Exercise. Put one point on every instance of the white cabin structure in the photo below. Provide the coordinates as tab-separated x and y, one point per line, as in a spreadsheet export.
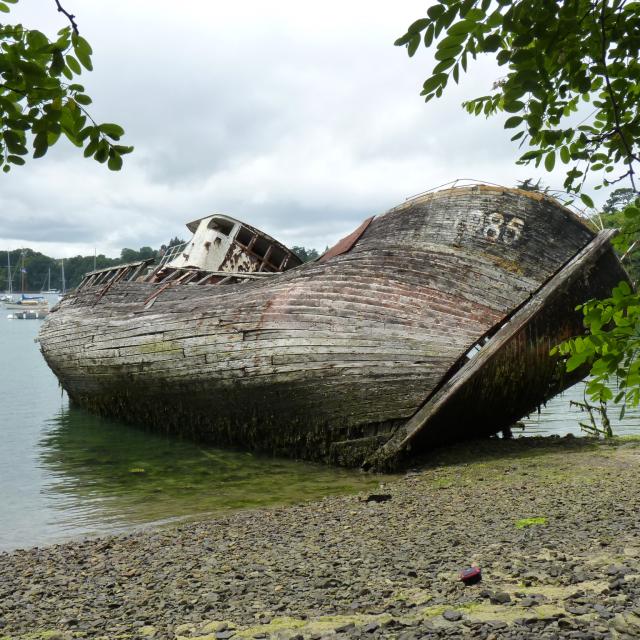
222	243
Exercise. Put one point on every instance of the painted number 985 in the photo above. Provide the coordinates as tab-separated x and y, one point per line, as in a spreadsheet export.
497	228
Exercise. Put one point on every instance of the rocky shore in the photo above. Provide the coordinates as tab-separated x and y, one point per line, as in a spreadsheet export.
553	524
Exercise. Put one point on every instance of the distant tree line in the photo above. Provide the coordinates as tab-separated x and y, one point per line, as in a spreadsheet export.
33	271
306	255
612	216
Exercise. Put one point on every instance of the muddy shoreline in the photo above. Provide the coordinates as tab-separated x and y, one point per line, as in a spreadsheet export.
553	523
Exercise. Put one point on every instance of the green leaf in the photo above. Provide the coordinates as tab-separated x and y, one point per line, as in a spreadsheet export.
413	45
419	25
40	145
83	51
83	134
112	130
463	27
475	14
4	8
443	66
491	43
456	73
115	161
402	40
587	200
428	36
576	360
91	148
434	82
624	288
514	107
446	54
550	161
513	122
102	153
451	42
73	64
435	11
57	63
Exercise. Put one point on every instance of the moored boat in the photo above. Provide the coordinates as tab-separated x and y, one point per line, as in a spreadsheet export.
430	322
25	302
29	314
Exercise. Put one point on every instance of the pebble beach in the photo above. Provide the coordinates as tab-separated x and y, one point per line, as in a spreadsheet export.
553	524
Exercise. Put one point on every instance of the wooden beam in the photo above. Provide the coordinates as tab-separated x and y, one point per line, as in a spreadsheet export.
510	327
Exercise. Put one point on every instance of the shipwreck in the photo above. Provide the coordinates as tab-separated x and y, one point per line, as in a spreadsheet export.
429	323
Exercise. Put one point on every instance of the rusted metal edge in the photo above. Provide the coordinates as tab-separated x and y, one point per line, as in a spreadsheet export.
405	434
346	243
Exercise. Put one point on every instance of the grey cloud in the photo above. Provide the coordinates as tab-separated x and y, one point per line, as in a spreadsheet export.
301	119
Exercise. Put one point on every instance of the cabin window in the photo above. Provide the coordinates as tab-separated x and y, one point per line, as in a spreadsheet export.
225	227
244	236
276	256
260	247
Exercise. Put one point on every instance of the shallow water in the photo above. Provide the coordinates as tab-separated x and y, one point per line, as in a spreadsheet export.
65	473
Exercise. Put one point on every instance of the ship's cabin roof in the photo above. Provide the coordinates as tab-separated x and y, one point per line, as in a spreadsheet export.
218	221
223	243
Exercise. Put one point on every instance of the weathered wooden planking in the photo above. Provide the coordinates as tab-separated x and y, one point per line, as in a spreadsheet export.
514	356
326	351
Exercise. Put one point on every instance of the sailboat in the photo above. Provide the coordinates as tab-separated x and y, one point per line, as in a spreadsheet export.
28	302
49	290
8	296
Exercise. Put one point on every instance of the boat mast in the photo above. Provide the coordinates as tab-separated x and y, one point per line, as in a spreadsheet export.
9	277
23	273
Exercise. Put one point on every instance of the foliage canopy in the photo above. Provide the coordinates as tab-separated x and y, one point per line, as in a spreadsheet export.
571	87
40	99
571	94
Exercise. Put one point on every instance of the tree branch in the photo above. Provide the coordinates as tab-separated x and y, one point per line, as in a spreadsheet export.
72	18
612	97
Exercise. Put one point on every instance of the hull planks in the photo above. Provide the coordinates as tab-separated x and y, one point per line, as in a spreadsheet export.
434	324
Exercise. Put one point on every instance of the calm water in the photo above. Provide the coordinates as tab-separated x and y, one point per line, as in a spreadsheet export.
65	473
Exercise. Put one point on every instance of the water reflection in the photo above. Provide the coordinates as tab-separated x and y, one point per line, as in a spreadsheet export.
106	476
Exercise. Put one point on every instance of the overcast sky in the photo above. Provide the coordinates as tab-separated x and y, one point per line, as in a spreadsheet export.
300	118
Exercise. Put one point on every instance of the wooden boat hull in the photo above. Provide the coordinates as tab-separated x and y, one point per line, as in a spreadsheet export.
333	359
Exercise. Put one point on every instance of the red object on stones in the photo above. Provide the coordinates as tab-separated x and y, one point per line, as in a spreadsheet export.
471	575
